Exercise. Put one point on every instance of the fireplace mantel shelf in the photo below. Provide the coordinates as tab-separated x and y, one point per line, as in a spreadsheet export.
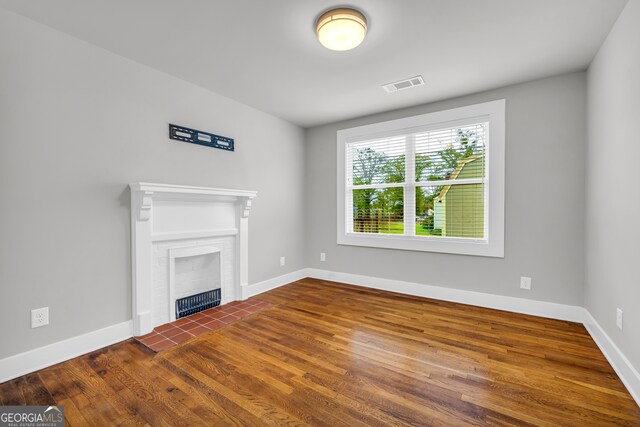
186	189
143	194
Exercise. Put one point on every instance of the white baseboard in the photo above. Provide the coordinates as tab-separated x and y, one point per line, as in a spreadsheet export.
628	374
551	310
276	282
39	358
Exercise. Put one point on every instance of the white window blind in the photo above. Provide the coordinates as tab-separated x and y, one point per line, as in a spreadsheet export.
428	182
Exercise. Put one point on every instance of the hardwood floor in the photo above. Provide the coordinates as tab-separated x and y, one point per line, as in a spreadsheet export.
332	354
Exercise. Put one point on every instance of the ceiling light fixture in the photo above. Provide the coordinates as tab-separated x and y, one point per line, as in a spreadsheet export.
341	29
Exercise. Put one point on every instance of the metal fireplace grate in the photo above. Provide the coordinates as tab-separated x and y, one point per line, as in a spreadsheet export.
198	302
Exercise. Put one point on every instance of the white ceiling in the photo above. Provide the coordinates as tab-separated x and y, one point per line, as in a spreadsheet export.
264	52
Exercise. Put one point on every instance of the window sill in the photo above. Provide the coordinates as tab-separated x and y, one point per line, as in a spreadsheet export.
460	246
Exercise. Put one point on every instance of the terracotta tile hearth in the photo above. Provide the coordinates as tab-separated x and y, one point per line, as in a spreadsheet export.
171	334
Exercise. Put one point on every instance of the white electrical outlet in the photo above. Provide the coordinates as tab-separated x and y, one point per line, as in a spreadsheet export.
323	256
39	317
281	261
525	283
619	318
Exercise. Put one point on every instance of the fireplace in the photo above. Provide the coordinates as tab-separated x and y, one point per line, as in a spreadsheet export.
194	273
187	242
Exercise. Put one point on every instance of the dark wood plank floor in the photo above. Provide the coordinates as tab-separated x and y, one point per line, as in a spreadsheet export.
331	354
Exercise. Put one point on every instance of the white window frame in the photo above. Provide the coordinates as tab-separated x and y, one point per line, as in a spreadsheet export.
492	245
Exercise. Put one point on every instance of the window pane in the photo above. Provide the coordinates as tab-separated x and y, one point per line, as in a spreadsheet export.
378	161
456	153
378	211
451	211
427	223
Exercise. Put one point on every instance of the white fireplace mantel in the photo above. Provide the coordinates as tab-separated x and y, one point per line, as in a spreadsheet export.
164	213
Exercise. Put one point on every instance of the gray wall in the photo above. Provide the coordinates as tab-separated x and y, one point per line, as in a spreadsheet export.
613	183
545	122
77	125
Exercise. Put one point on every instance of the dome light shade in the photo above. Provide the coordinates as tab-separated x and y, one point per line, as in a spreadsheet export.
341	29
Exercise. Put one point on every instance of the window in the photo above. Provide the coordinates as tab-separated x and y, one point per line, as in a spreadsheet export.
433	182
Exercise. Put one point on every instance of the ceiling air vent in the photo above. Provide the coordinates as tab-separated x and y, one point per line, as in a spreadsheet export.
403	84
